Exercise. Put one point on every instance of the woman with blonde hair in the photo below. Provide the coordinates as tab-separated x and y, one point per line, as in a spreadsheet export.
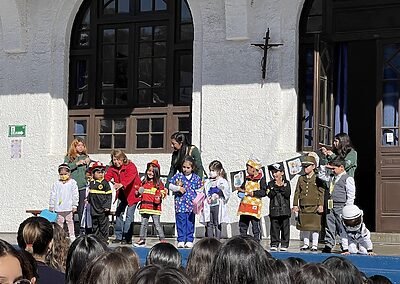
78	160
124	174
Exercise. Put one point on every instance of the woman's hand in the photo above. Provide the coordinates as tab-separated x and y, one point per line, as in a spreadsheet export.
326	152
117	186
320	209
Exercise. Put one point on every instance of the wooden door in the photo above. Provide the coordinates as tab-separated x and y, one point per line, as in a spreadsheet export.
387	138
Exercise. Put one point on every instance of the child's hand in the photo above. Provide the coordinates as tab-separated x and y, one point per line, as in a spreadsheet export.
107	209
141	190
74	210
51	209
182	190
179	182
345	253
239	189
295	209
320	209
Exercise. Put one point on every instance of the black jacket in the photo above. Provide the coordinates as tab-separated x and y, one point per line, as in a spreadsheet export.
279	204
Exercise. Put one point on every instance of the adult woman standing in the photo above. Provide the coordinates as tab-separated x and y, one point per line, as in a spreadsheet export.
343	147
78	160
126	180
181	149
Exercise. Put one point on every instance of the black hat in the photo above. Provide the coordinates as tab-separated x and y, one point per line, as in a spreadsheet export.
276	167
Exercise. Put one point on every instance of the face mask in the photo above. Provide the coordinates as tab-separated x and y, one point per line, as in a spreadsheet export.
64	177
213	174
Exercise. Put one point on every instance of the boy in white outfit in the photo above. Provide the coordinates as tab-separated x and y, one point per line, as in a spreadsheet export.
356	238
64	198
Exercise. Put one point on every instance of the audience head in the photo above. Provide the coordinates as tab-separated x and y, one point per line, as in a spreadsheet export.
314	273
131	255
164	254
155	274
108	268
280	272
35	235
240	260
294	264
81	252
200	259
379	279
57	257
344	271
11	264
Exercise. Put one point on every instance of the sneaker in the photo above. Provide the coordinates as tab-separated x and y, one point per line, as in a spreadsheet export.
189	245
181	245
305	247
116	241
273	248
314	249
140	243
327	249
283	249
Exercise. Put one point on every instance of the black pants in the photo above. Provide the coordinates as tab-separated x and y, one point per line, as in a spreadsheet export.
244	222
100	226
81	204
280	231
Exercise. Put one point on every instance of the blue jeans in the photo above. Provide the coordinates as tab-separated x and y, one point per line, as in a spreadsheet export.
124	229
185	226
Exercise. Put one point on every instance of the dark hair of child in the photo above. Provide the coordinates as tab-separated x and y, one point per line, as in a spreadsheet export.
131	255
155	274
280	271
294	264
200	259
84	249
191	161
217	166
108	268
344	146
164	254
34	235
379	279
314	273
344	271
337	162
241	259
57	257
156	173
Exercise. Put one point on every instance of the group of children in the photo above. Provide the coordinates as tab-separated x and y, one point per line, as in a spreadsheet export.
318	196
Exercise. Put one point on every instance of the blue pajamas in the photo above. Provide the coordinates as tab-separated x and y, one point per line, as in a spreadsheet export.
185	226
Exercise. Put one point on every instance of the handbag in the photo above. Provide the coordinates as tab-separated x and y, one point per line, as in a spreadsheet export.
198	203
49	215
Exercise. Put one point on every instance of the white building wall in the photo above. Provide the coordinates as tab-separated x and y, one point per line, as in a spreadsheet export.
235	114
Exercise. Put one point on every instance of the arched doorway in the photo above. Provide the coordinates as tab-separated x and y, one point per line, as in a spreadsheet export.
130	82
349	81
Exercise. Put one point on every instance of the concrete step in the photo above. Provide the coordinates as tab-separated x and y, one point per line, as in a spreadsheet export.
388	238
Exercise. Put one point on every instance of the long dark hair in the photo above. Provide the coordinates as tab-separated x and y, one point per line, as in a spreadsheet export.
344	271
164	254
34	235
179	155
156	177
344	146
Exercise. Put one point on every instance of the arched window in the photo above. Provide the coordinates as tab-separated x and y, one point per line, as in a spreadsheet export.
130	83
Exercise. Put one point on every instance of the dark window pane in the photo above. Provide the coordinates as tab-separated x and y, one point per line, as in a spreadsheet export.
108	72
120	126
105	126
119	141
185	12
81	75
146	33
142	141
145	71
109	7
145	49
160	48
123	35
123	6
186	32
159	66
157	141
143	125
105	141
122	74
184	124
160	33
108	51
109	35
122	51
146	5
158	96
107	97
185	95
86	20
144	96
121	98
157	125
160	5
84	38
81	99
80	126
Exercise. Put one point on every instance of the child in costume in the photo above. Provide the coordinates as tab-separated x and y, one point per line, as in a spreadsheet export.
356	238
279	208
100	198
218	192
251	192
152	192
184	187
308	203
64	199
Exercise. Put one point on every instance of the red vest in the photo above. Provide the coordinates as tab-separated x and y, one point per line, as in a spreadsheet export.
151	198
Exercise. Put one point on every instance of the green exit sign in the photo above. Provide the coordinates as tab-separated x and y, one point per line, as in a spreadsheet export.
16	130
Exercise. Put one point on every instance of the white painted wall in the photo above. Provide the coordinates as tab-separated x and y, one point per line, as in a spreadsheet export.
235	114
